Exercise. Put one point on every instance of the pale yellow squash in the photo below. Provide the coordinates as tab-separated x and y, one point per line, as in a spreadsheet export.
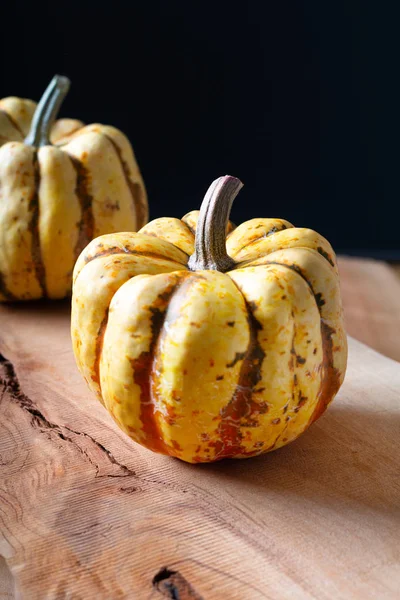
61	185
204	341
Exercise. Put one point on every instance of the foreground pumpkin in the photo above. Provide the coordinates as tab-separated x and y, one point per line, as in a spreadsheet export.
56	197
204	346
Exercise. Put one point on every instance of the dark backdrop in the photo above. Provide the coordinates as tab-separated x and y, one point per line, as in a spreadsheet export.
299	99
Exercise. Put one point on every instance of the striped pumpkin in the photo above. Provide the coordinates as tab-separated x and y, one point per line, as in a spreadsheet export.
61	185
204	345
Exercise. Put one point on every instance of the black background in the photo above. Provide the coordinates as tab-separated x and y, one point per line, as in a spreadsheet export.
299	99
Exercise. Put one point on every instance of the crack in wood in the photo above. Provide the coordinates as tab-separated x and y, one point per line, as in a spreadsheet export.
10	381
127	472
171	584
129	489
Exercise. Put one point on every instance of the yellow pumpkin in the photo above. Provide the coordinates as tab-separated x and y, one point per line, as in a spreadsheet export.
204	345
57	193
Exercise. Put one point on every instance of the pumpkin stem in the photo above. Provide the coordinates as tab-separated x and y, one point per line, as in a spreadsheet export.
210	244
46	111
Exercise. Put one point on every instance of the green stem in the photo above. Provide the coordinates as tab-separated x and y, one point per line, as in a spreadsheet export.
46	111
210	244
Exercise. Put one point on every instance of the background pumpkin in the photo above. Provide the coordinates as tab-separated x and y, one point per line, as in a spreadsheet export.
61	185
209	347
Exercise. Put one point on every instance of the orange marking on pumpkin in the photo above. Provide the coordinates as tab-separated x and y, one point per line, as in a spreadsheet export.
330	382
143	374
242	410
99	346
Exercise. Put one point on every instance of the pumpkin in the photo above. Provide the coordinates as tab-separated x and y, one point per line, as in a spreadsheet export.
57	193
206	341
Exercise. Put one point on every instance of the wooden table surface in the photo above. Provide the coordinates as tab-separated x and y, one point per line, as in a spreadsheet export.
85	513
371	299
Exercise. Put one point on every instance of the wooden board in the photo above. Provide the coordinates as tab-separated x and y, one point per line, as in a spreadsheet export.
85	513
371	299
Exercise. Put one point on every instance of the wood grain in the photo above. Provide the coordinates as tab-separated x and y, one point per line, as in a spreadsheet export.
371	299
86	513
